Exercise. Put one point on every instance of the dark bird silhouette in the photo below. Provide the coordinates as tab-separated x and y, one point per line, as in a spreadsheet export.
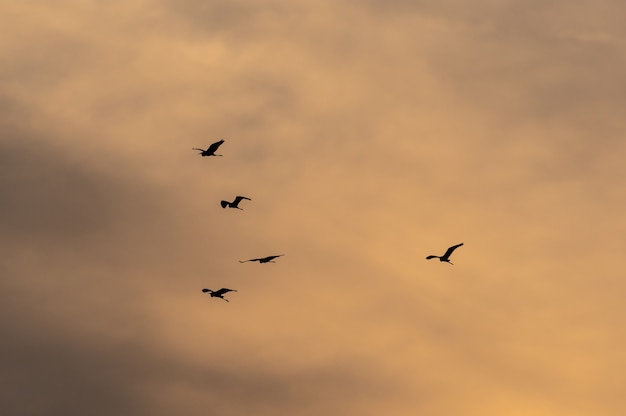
211	150
446	255
218	293
268	259
235	203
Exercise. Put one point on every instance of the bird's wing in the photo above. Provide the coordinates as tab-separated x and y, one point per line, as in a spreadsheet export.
195	148
214	146
450	250
272	257
239	198
205	290
223	290
224	204
431	257
243	261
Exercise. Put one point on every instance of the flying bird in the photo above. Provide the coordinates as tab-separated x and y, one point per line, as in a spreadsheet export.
211	150
235	203
218	293
446	255
268	259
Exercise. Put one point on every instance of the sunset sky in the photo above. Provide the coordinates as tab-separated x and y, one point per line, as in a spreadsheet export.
368	135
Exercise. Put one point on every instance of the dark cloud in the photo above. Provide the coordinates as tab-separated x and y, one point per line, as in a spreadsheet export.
56	200
50	196
335	388
50	370
56	370
67	232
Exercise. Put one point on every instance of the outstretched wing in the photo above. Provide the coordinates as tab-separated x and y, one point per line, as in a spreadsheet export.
224	204
239	198
449	251
205	290
243	261
214	146
269	258
223	290
431	257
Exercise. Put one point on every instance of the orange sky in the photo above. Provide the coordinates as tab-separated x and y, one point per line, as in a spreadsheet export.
368	134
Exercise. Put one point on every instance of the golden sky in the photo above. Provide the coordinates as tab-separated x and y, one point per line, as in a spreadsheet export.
368	134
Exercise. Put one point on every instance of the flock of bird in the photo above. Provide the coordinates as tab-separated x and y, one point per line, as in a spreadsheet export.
210	151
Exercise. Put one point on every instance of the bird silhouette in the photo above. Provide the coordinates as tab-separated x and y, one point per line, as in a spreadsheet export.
211	150
218	293
446	255
235	203
268	259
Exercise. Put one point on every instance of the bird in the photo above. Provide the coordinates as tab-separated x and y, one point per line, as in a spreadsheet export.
218	293
446	255
235	203
268	259
211	150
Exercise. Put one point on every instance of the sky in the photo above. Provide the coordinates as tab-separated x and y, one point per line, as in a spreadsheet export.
368	135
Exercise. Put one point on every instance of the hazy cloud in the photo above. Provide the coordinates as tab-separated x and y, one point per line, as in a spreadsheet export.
368	135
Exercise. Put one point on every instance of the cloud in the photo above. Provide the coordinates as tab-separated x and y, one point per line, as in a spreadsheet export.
368	135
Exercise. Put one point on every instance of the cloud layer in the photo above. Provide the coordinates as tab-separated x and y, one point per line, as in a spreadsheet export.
368	135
